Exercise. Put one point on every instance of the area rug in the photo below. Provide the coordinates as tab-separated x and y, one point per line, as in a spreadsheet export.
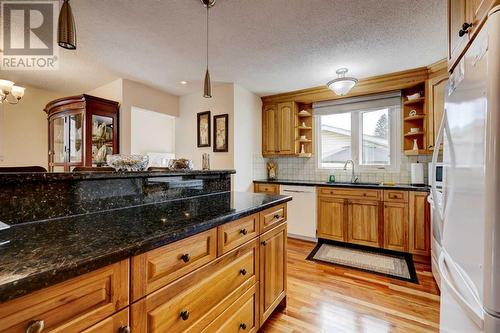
392	264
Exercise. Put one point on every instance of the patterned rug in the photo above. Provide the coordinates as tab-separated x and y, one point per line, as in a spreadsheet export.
383	262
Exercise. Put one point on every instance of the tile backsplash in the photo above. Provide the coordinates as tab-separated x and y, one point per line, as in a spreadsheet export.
294	168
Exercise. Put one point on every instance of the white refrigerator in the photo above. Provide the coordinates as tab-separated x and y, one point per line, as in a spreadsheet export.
469	260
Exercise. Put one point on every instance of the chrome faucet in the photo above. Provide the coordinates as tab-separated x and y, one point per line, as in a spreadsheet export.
354	179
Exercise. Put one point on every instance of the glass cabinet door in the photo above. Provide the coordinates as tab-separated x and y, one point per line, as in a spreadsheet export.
102	138
75	138
58	142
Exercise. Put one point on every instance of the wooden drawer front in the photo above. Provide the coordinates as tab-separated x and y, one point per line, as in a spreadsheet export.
232	235
395	196
194	301
113	324
267	188
241	316
349	193
73	305
155	269
272	217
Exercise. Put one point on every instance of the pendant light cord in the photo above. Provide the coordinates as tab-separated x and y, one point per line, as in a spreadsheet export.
208	7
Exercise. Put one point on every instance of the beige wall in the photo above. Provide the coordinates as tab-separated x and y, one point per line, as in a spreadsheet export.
247	136
152	132
222	102
134	94
23	129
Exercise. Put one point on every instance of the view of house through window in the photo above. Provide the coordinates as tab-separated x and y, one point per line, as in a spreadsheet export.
364	136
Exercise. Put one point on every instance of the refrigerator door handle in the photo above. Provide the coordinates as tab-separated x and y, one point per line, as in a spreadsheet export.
471	310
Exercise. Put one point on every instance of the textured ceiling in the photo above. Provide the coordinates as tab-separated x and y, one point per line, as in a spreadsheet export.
267	46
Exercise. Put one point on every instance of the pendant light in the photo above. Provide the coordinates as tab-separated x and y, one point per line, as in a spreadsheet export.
342	84
66	30
207	86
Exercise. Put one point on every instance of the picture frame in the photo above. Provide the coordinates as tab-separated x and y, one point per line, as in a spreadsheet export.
203	128
221	133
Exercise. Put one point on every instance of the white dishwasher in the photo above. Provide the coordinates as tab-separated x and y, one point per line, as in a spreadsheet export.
301	211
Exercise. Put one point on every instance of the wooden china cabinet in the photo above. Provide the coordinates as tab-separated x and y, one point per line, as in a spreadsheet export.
83	130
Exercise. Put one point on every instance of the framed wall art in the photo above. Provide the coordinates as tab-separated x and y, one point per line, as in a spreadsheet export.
203	128
221	133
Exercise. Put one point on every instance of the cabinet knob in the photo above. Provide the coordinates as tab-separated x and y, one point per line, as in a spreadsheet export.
185	257
243	326
185	315
35	326
243	231
277	216
243	271
263	243
124	329
465	29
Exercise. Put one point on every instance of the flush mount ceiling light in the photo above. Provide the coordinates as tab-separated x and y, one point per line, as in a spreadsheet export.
207	86
183	83
342	85
7	88
66	30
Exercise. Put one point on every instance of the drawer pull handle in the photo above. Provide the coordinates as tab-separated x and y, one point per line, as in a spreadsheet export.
243	326
277	216
243	231
124	329
364	194
243	271
263	243
185	257
185	315
35	326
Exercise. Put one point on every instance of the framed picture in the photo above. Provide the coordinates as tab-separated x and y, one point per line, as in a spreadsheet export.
221	133
203	126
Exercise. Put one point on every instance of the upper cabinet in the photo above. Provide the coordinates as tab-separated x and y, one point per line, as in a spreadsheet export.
465	17
83	130
287	122
436	92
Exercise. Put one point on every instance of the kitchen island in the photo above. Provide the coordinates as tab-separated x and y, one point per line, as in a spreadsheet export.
157	254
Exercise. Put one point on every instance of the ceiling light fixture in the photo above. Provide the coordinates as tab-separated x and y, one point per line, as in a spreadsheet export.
342	84
207	86
7	88
183	83
66	29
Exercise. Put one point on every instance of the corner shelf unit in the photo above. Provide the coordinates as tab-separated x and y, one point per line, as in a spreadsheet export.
304	128
419	120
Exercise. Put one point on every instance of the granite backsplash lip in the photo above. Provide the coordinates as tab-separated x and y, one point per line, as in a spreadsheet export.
85	175
45	253
406	187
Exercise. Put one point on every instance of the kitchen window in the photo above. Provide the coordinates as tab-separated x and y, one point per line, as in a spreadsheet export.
363	129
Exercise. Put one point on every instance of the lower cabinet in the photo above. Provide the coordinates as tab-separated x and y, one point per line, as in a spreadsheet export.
392	219
396	226
363	222
331	218
272	270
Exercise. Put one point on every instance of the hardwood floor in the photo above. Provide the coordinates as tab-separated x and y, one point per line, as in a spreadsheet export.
323	299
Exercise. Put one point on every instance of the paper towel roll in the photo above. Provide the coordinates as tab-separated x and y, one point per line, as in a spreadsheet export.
417	173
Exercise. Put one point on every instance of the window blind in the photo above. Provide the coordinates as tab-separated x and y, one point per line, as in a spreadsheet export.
358	103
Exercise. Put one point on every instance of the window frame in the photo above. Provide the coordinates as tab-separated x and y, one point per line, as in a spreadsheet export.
394	115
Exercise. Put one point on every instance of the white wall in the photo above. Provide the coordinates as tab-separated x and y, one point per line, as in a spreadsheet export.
222	102
24	129
247	136
151	132
112	90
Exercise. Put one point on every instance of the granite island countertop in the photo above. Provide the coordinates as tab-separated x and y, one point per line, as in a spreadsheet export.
44	253
378	186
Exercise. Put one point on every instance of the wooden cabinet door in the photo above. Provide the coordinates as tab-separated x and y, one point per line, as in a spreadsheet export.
286	128
419	224
477	10
331	218
269	129
396	226
117	323
457	16
436	98
272	270
363	222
